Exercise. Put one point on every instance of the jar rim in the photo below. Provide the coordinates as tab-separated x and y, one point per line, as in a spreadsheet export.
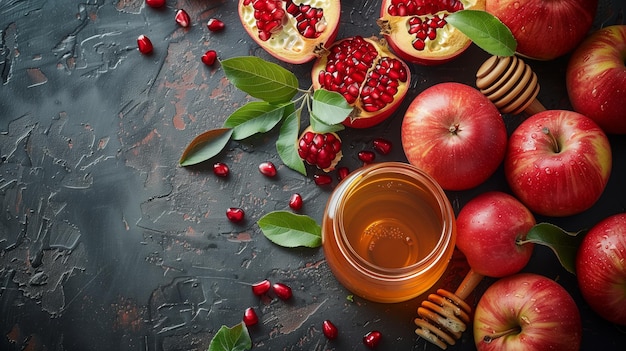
444	210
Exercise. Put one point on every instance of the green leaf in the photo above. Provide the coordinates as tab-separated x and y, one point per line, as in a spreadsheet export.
321	127
236	338
564	244
485	30
288	229
330	107
261	79
205	146
254	117
286	143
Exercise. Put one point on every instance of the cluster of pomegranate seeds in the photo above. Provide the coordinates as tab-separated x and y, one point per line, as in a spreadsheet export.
215	25
353	63
382	84
347	66
422	7
295	202
329	330
235	214
383	146
268	169
319	149
221	169
209	57
155	3
283	291
182	18
250	317
366	156
322	179
372	339
144	45
425	29
310	20
261	288
268	15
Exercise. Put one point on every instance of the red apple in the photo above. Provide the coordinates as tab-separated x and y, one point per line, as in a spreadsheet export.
601	268
545	29
487	229
558	162
454	133
527	311
596	78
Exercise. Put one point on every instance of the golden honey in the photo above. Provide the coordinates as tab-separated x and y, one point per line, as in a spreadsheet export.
388	232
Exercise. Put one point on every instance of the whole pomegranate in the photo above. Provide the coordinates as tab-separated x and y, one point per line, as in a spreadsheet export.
292	31
371	79
418	32
545	29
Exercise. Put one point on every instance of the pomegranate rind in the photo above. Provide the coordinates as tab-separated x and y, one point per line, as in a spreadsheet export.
359	118
288	45
449	43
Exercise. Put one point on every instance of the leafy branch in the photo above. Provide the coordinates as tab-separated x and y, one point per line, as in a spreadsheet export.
276	89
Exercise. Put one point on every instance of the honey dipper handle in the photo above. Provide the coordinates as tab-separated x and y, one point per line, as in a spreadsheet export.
471	280
534	107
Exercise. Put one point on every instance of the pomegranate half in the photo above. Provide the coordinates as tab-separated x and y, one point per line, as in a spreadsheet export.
418	32
371	79
291	30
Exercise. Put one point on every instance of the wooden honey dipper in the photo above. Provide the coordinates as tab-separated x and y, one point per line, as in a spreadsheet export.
445	315
510	84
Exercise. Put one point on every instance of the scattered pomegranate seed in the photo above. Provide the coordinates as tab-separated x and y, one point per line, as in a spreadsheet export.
221	169
367	156
372	339
322	179
215	25
250	317
209	57
342	172
261	287
329	330
295	202
282	291
383	146
155	3
235	214
144	44
182	18
267	168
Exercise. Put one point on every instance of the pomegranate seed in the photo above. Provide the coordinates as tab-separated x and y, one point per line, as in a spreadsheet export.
322	179
372	339
155	3
250	317
383	146
215	25
282	291
342	172
209	57
329	330
221	169
144	44
182	18
295	202
367	156
261	287
320	149
235	214
267	169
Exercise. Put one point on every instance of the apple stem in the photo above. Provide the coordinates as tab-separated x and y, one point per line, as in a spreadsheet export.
555	144
454	128
489	338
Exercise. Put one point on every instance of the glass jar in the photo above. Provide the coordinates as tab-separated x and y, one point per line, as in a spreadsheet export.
388	232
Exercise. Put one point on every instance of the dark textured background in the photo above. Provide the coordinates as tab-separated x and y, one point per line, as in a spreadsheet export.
107	244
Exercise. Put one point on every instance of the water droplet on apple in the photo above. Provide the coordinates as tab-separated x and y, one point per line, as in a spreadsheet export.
548	170
594	92
516	5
